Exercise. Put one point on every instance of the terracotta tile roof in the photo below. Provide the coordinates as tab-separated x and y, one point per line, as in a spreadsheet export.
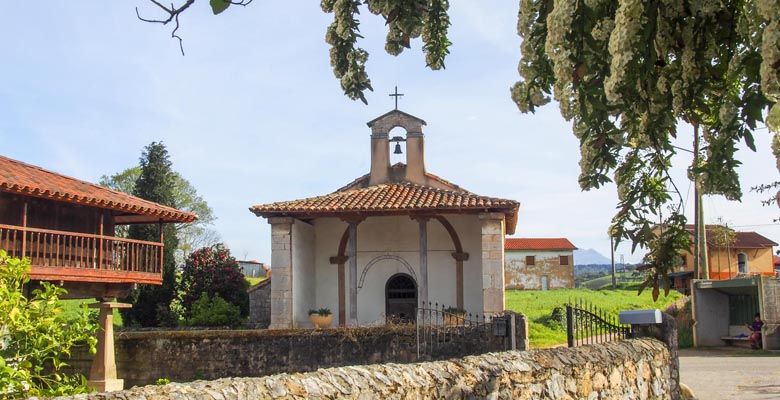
28	180
397	172
744	240
391	198
538	244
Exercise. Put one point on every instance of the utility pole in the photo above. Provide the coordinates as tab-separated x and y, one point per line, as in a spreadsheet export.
612	260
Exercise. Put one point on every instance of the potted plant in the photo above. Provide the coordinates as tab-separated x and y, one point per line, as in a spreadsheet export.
321	318
454	316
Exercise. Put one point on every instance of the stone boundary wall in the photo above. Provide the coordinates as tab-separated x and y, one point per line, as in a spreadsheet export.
629	369
142	357
260	304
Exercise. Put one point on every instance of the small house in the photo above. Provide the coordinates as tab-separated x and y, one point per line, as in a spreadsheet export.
539	263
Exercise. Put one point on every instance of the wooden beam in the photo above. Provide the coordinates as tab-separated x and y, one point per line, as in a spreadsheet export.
423	223
24	225
352	254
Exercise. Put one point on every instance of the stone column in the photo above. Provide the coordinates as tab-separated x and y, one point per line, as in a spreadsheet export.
281	281
423	222
352	255
492	263
102	374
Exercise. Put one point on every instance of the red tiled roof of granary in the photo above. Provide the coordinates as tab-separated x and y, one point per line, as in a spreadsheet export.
391	198
29	180
538	244
743	240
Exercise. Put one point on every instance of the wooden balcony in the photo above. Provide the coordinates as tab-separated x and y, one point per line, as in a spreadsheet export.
80	257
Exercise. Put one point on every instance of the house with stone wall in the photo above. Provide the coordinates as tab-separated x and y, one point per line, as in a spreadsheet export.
539	263
388	242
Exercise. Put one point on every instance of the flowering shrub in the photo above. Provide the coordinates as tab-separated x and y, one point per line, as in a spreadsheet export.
35	336
214	272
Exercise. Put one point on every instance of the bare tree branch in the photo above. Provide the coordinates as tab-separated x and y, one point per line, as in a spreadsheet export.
173	15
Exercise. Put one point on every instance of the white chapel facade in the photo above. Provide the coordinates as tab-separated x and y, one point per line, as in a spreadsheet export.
391	240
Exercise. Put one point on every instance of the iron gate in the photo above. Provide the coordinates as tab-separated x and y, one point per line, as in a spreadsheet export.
588	324
439	328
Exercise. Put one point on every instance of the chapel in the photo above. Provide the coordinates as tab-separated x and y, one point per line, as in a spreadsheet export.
389	241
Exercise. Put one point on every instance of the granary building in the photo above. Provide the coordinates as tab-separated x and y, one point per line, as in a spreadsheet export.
539	263
390	240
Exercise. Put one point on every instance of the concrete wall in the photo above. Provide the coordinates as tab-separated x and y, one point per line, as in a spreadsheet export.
303	277
631	369
390	245
518	275
145	356
710	316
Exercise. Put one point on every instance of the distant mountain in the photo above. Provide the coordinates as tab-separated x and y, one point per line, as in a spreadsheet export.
589	256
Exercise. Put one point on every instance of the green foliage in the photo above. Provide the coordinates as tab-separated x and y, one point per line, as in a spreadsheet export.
35	336
213	271
217	6
539	306
151	303
214	312
323	312
162	381
454	310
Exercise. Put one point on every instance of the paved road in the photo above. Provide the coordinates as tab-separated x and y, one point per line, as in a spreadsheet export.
731	374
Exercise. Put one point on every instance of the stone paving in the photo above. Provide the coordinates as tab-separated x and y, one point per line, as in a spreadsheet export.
731	373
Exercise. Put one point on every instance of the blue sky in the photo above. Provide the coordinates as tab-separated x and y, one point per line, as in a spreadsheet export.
253	114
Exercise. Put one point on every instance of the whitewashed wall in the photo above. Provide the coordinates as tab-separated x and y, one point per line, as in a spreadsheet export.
518	275
303	276
394	242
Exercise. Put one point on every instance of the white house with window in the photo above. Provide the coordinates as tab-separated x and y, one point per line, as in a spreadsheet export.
538	263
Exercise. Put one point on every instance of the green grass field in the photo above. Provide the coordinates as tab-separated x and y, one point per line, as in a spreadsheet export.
537	306
71	308
606	281
254	281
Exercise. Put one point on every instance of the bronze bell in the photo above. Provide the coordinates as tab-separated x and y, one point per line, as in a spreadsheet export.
397	148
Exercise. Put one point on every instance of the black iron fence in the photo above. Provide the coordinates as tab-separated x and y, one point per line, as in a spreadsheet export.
439	327
588	324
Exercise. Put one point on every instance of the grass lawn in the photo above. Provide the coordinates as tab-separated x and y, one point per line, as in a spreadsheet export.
254	281
537	305
71	308
606	280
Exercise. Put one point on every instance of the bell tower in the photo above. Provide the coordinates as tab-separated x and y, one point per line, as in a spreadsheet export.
380	147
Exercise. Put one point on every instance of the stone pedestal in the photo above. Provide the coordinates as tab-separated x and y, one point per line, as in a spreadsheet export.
102	375
281	284
492	263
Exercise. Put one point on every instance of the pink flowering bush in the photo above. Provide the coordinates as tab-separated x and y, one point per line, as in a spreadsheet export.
214	272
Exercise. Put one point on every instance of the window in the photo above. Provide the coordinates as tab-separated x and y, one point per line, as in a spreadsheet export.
742	263
530	260
564	260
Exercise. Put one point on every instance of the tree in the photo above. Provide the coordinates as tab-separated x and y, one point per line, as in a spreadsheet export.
186	198
35	336
214	272
625	73
151	303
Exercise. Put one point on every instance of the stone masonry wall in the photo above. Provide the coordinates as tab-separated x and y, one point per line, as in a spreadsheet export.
260	304
145	356
630	369
770	313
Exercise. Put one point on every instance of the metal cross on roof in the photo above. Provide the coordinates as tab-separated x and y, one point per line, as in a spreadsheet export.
396	95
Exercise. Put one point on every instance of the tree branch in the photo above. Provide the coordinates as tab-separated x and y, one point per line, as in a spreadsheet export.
173	15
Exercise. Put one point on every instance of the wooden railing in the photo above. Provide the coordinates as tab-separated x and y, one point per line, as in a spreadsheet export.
79	256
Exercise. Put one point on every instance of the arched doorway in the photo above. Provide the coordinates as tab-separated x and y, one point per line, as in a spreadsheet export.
400	298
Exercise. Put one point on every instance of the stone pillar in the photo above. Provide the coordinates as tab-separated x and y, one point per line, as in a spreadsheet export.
281	283
423	222
666	332
353	276
341	261
102	374
492	263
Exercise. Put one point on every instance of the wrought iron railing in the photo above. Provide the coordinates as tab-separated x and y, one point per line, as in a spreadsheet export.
438	326
49	250
588	324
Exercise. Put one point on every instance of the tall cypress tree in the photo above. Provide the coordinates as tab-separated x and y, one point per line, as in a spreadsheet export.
151	303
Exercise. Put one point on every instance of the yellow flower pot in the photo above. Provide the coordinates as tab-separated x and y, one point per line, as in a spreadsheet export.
321	321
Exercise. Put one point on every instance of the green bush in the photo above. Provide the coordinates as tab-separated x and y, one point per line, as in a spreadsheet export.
323	312
35	336
556	320
212	270
214	312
